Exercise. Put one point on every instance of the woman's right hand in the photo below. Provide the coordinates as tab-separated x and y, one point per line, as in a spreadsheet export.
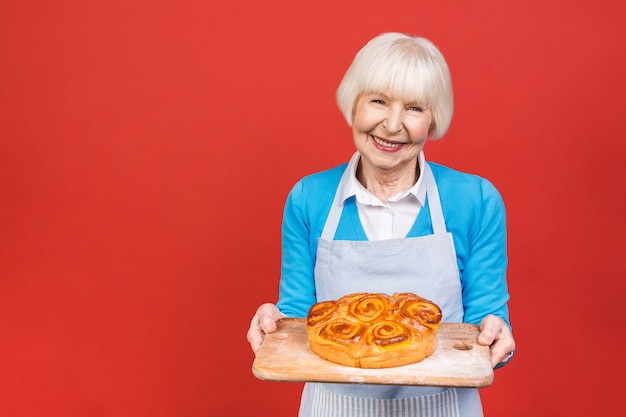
263	322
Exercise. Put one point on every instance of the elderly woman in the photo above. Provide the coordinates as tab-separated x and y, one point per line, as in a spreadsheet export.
389	221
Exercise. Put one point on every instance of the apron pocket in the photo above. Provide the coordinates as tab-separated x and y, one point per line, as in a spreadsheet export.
329	404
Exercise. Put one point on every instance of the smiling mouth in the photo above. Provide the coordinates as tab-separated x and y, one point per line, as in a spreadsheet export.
386	144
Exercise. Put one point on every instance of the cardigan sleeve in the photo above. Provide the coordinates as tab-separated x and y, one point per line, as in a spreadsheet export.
483	275
297	283
304	216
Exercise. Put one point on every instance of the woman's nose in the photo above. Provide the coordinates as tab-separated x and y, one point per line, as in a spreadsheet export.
393	121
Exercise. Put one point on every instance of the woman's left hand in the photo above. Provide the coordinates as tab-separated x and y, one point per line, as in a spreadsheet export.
495	333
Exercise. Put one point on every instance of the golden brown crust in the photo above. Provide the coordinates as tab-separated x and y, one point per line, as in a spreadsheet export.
373	330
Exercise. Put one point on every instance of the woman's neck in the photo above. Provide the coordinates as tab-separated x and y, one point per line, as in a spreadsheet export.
385	184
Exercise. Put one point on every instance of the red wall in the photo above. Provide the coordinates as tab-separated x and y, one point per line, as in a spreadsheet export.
146	149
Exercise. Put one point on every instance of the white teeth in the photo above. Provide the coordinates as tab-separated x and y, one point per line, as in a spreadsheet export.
385	144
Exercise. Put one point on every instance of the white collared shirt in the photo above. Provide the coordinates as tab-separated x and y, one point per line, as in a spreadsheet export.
389	220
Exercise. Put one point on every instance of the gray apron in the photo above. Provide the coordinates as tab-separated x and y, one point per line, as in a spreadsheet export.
424	265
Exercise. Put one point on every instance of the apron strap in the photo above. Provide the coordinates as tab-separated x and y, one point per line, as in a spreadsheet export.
434	202
332	221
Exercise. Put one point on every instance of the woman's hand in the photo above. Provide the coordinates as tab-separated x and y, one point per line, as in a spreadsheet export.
263	322
495	333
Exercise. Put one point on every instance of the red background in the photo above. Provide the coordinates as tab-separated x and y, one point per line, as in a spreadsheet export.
147	148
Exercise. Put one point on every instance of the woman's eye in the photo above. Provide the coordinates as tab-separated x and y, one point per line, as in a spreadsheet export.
378	101
415	108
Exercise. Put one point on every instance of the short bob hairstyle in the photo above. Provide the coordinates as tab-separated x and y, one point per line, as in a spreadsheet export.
404	67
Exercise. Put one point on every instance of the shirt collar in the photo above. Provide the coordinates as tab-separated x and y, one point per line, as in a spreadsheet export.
352	186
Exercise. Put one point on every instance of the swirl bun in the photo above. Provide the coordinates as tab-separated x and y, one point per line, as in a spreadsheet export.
369	330
368	307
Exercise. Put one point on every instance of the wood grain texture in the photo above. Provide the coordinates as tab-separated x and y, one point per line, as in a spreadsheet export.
459	361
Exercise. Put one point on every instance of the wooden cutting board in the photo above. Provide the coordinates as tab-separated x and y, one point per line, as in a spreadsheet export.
459	360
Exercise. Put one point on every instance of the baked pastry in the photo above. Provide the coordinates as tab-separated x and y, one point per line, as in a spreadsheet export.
373	330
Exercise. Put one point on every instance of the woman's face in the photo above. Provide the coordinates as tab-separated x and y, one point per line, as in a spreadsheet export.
388	132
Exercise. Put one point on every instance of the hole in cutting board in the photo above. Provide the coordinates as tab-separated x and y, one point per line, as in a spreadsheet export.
462	346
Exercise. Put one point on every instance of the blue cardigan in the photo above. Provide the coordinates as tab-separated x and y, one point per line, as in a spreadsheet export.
473	211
